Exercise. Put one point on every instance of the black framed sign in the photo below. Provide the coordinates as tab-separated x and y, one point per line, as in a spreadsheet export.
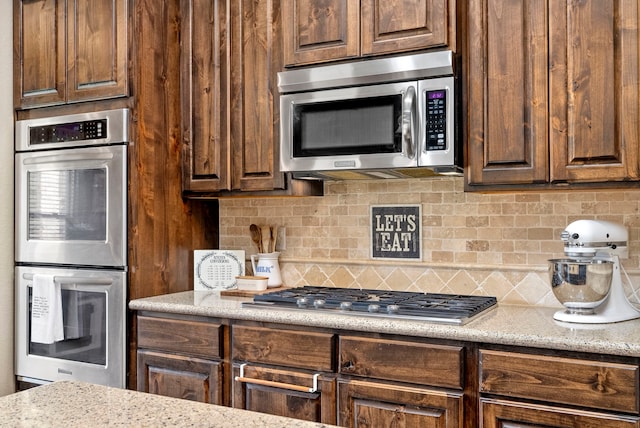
396	232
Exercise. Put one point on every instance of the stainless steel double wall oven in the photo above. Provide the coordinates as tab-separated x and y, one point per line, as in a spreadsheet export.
71	228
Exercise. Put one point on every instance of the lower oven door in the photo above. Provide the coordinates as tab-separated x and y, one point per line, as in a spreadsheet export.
92	342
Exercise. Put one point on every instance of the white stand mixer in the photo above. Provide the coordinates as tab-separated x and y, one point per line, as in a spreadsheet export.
599	240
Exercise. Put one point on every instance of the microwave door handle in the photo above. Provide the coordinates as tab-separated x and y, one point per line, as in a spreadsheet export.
75	280
409	122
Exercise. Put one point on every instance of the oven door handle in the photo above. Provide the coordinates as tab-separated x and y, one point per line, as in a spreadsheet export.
75	280
409	122
281	385
68	157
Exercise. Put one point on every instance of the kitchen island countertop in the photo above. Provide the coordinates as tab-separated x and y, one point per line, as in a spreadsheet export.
506	324
76	404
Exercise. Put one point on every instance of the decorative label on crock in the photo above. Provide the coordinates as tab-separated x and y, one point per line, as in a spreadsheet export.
263	269
396	231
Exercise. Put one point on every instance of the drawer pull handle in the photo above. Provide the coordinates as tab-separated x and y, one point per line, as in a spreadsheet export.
282	385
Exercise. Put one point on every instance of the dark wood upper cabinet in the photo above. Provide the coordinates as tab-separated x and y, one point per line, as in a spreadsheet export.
256	46
229	59
205	73
317	31
593	82
507	98
231	52
69	51
403	25
552	92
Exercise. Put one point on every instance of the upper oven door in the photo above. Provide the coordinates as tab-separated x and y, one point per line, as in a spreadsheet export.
71	206
364	127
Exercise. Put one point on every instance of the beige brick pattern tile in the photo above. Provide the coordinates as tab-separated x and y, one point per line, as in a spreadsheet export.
472	243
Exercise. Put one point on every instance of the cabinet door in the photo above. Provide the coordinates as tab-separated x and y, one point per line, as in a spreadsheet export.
402	25
39	32
256	46
507	86
279	392
70	51
97	49
204	95
594	90
320	30
178	376
371	404
505	414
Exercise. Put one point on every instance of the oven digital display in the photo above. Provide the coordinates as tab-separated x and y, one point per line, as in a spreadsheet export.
68	132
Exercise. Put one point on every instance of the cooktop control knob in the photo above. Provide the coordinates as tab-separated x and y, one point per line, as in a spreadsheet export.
345	306
302	302
319	303
393	309
373	307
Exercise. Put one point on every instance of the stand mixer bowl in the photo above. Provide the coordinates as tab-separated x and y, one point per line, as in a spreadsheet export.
580	284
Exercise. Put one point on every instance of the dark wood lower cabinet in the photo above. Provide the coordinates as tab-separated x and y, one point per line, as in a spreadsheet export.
372	404
280	392
509	414
180	376
370	380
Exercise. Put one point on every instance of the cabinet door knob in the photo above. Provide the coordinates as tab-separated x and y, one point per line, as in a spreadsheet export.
348	366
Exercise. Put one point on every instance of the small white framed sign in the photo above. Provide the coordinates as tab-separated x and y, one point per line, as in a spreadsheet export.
396	232
217	269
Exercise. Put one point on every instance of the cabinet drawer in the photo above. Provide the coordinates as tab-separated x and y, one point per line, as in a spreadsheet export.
420	363
594	384
269	390
196	338
289	348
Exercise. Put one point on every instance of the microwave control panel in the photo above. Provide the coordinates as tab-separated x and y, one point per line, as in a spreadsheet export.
436	120
68	132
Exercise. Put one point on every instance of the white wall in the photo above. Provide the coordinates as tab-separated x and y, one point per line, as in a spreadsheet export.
6	199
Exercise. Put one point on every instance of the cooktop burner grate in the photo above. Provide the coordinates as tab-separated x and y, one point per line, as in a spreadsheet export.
452	308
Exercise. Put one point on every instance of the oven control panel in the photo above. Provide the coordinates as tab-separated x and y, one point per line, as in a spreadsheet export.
68	132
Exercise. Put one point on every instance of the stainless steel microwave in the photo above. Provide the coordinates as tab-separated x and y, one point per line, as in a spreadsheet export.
382	118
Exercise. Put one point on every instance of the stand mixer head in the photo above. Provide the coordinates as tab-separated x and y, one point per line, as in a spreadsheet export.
589	281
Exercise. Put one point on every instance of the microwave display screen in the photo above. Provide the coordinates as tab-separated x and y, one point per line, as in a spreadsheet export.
348	127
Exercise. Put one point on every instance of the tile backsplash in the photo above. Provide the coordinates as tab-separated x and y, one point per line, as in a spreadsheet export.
472	243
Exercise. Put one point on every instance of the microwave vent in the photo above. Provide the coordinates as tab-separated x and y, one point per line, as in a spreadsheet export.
380	174
368	72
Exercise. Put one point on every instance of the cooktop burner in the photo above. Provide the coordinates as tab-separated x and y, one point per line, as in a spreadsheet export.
446	308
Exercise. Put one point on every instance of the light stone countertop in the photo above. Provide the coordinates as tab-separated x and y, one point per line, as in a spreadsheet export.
68	404
506	324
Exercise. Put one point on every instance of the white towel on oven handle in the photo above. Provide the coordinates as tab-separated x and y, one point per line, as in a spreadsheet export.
46	310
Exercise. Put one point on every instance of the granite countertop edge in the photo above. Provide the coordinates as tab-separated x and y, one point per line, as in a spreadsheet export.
77	404
529	326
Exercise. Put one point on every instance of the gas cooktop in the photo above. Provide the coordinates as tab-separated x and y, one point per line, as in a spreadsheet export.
433	307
